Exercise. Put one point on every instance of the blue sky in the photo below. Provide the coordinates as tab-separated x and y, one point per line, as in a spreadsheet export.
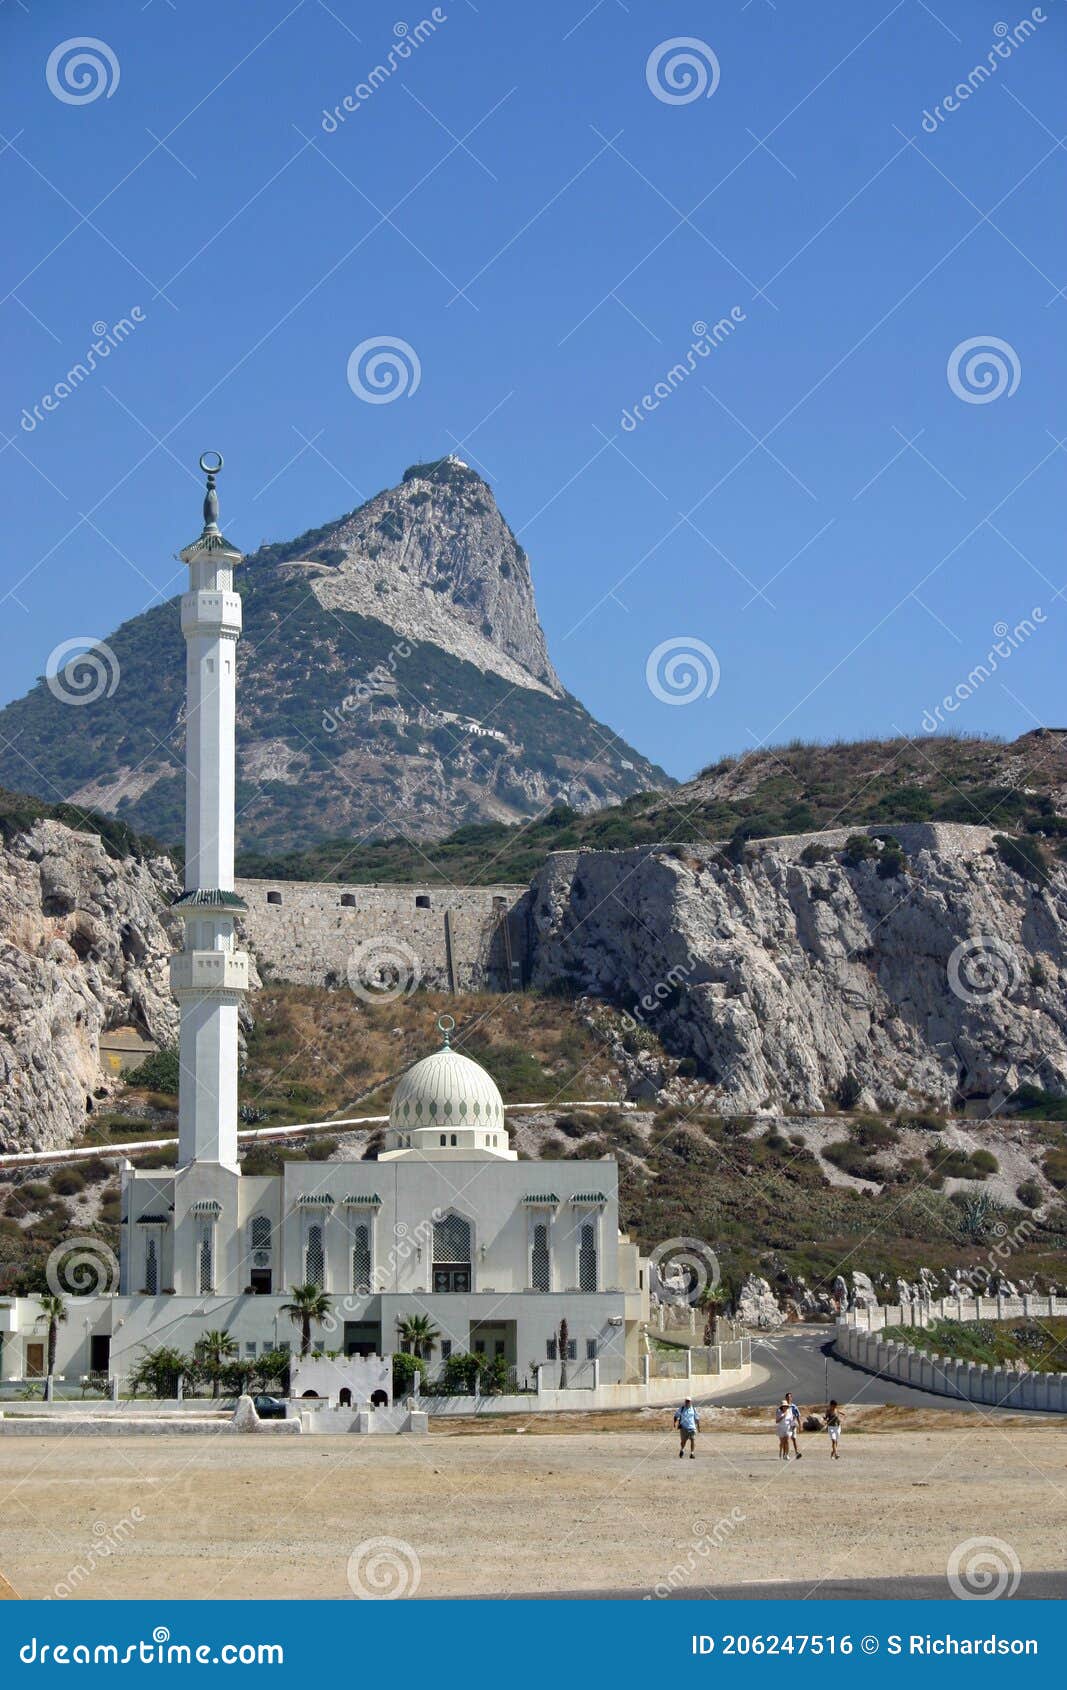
816	503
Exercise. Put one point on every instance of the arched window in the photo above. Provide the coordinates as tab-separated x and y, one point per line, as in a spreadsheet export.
151	1268
314	1258
587	1258
452	1254
540	1269
361	1259
344	1397
259	1239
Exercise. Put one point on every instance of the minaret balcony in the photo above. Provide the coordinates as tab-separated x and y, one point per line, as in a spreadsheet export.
209	612
209	971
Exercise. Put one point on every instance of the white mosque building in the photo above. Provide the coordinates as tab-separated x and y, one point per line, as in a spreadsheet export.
446	1222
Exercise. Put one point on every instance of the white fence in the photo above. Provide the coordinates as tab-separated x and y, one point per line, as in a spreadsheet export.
858	1339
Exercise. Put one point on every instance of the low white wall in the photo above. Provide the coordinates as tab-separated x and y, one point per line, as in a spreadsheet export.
656	1392
999	1387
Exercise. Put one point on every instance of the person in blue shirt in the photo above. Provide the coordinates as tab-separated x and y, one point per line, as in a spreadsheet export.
687	1421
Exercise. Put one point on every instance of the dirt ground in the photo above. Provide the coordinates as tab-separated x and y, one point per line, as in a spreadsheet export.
497	1511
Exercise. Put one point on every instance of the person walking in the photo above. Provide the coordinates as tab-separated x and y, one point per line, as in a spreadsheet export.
833	1426
687	1420
795	1426
783	1425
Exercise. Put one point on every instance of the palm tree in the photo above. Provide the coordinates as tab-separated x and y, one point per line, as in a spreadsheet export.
213	1350
418	1334
54	1310
564	1346
309	1303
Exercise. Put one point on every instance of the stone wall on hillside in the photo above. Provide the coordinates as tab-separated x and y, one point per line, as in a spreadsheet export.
324	934
796	982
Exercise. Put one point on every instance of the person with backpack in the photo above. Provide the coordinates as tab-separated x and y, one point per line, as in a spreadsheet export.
687	1420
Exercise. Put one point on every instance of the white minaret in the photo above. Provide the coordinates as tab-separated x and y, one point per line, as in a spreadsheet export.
209	976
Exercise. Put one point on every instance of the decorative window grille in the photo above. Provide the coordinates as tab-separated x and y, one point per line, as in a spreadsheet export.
361	1259
207	1273
540	1270
587	1258
314	1258
452	1239
260	1240
151	1268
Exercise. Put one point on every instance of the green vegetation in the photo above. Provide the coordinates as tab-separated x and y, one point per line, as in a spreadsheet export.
1043	1347
158	1072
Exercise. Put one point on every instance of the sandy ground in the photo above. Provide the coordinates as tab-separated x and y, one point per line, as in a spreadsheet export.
496	1512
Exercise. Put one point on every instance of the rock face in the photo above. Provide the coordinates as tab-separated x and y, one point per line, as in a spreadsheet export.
392	680
84	946
794	979
757	1304
435	559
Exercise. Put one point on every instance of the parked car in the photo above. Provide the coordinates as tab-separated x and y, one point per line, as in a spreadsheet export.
270	1408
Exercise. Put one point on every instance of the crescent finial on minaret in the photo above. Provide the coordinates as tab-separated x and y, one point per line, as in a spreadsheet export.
211	542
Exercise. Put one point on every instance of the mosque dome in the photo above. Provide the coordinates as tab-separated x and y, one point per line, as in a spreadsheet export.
447	1103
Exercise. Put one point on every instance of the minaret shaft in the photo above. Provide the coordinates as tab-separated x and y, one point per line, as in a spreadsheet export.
209	976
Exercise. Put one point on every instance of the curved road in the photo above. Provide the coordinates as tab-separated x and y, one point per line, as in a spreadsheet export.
799	1359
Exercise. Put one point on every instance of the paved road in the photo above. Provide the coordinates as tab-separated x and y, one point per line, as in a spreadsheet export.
1045	1587
798	1359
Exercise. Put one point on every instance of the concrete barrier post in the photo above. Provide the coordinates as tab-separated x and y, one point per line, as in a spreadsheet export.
646	1369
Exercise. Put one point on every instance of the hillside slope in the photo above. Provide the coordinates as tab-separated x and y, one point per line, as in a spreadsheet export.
1020	786
393	678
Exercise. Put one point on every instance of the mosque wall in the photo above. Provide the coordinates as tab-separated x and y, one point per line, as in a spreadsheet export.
315	933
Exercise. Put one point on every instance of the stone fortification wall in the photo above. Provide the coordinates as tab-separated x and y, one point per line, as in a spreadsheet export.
324	934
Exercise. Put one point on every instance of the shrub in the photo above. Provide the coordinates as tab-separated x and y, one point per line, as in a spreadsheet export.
405	1368
859	848
1026	856
849	1090
873	1133
852	1159
815	853
159	1072
321	1149
66	1182
1054	1168
1029	1194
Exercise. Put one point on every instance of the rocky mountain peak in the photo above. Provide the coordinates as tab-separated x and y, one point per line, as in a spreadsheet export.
434	559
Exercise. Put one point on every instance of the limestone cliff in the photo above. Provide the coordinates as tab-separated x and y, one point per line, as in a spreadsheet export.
797	975
84	943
